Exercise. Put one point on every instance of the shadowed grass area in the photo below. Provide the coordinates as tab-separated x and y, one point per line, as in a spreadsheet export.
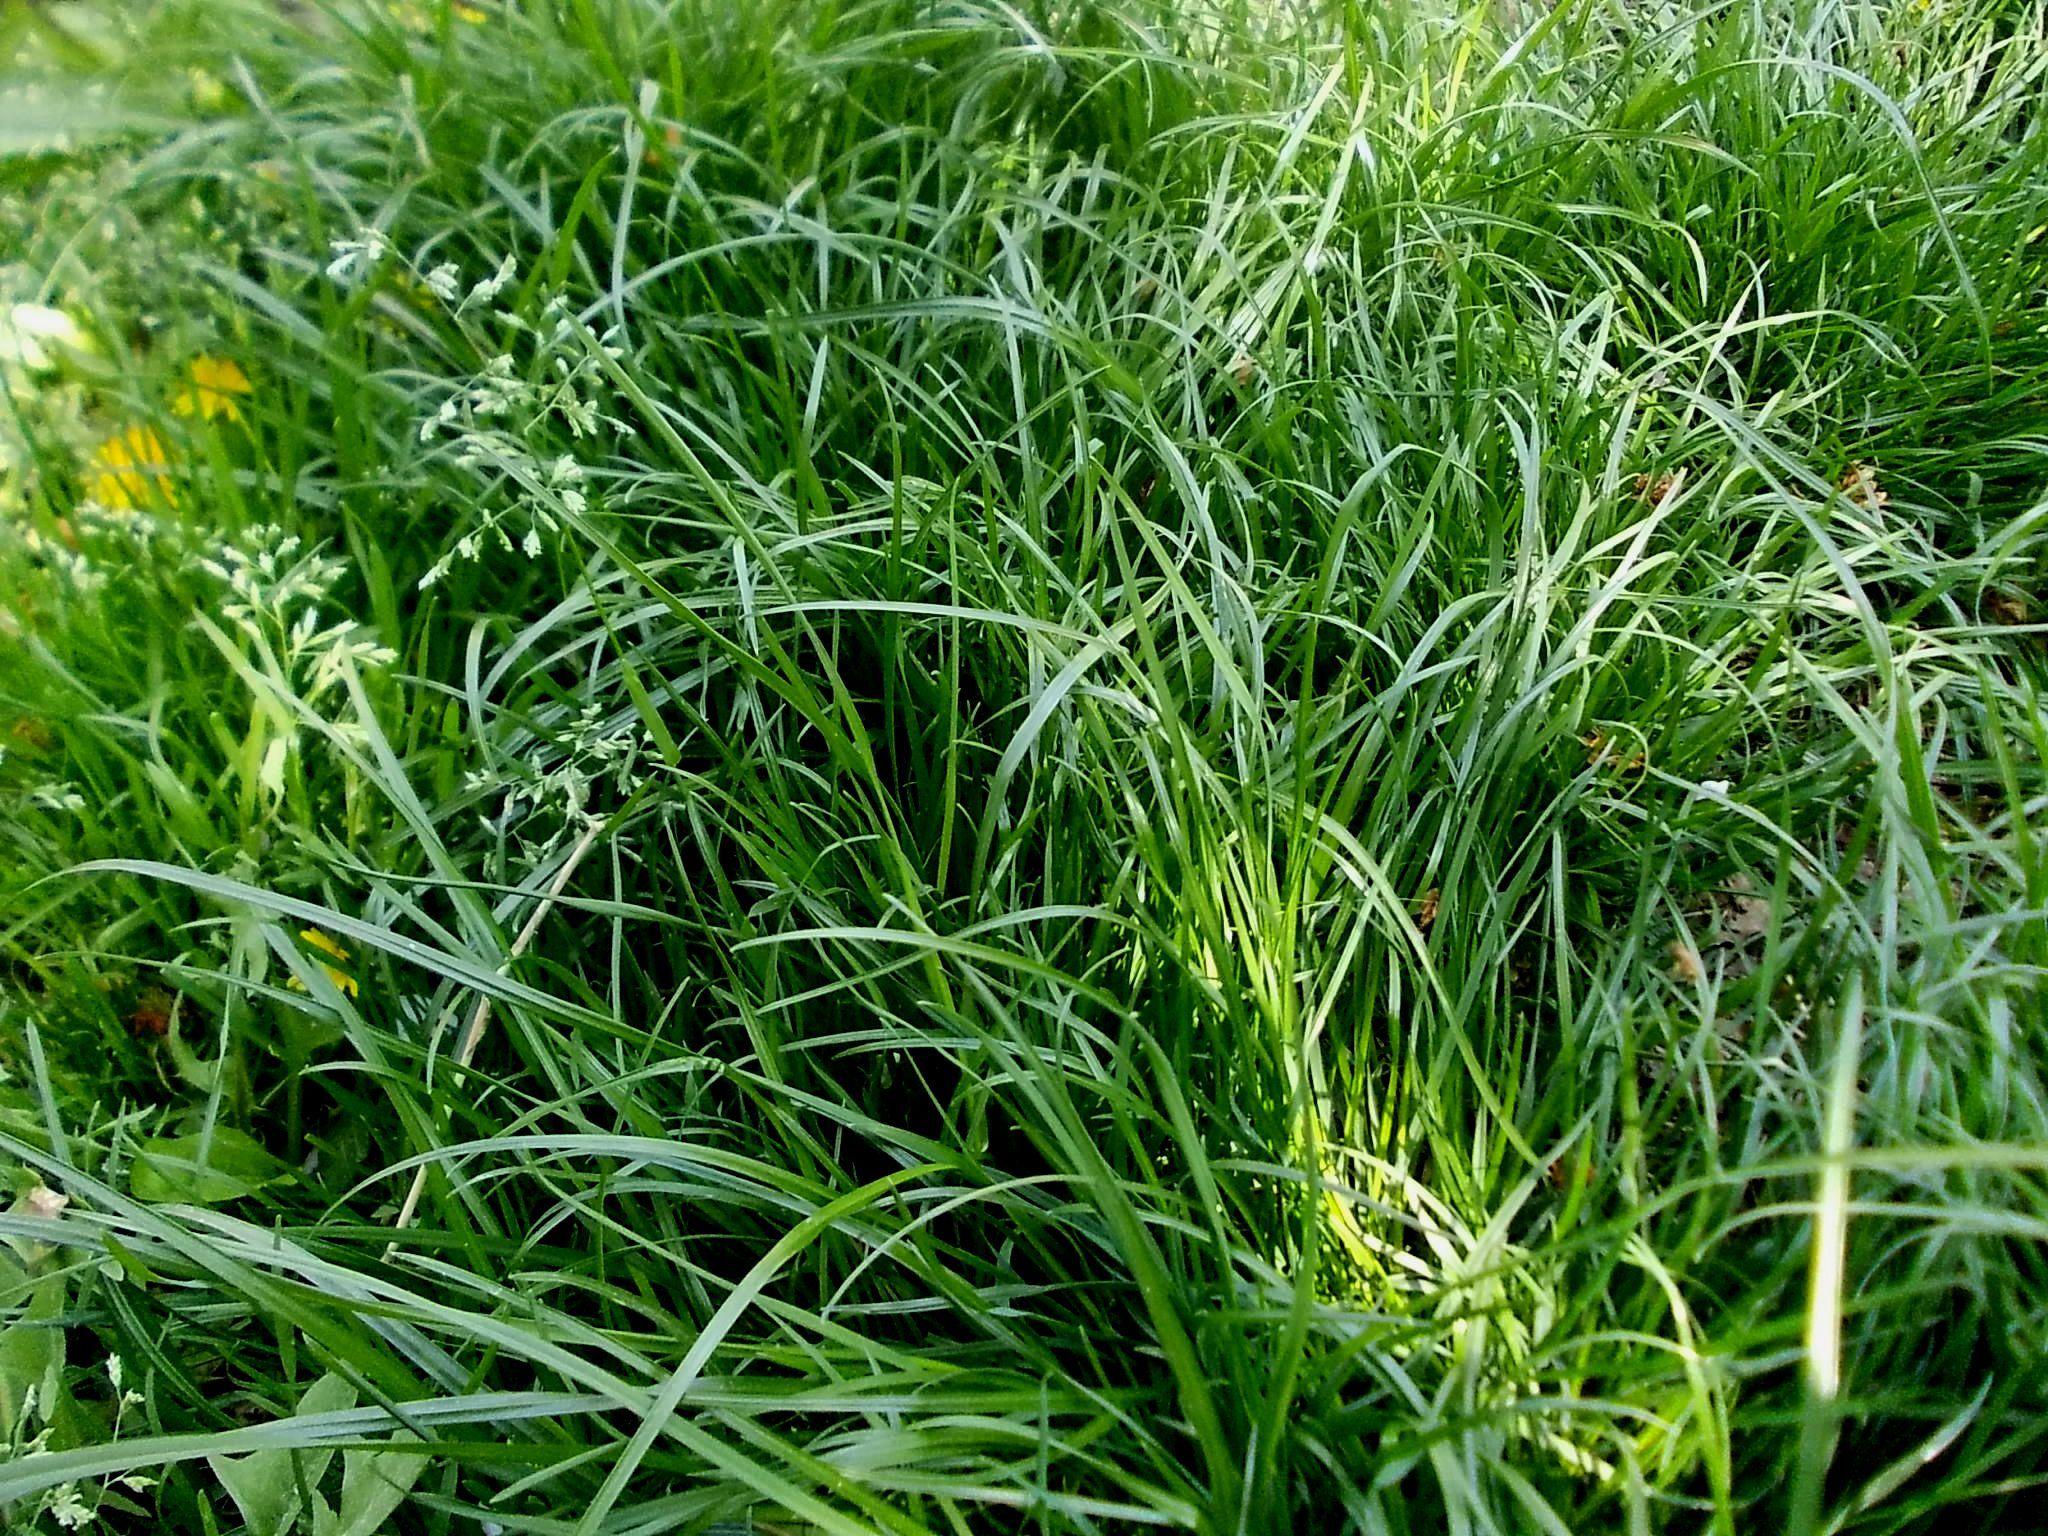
948	767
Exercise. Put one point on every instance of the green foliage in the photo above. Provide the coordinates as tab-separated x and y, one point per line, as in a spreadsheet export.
922	767
202	1169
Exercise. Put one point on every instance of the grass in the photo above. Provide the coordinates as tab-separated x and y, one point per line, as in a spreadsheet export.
938	767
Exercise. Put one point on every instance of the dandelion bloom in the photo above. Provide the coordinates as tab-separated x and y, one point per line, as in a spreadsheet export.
212	383
343	982
130	469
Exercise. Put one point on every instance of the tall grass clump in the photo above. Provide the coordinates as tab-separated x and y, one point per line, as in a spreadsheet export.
944	766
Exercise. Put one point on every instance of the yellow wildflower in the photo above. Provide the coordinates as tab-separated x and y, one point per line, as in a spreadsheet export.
130	469
474	14
210	389
327	944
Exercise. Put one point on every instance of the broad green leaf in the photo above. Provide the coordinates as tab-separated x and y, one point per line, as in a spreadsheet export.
32	1355
264	1484
203	1170
373	1485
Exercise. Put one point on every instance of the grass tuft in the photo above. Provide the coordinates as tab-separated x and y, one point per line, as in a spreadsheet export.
931	766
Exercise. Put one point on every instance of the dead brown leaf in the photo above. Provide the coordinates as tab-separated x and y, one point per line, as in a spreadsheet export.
1745	918
2007	608
1432	900
1653	489
151	1017
1685	962
1859	484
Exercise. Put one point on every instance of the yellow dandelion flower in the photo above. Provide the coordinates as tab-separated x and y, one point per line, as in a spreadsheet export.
475	15
327	944
324	941
129	470
210	389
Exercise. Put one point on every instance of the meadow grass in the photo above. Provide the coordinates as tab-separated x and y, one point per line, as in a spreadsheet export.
937	766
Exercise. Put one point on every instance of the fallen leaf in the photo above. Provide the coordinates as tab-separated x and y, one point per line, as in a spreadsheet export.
1747	917
1685	962
1654	489
151	1017
1859	484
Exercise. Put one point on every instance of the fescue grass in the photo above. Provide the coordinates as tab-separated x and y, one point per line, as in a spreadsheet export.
930	766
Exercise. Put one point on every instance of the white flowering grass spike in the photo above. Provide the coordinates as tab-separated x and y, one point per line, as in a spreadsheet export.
490	287
352	260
